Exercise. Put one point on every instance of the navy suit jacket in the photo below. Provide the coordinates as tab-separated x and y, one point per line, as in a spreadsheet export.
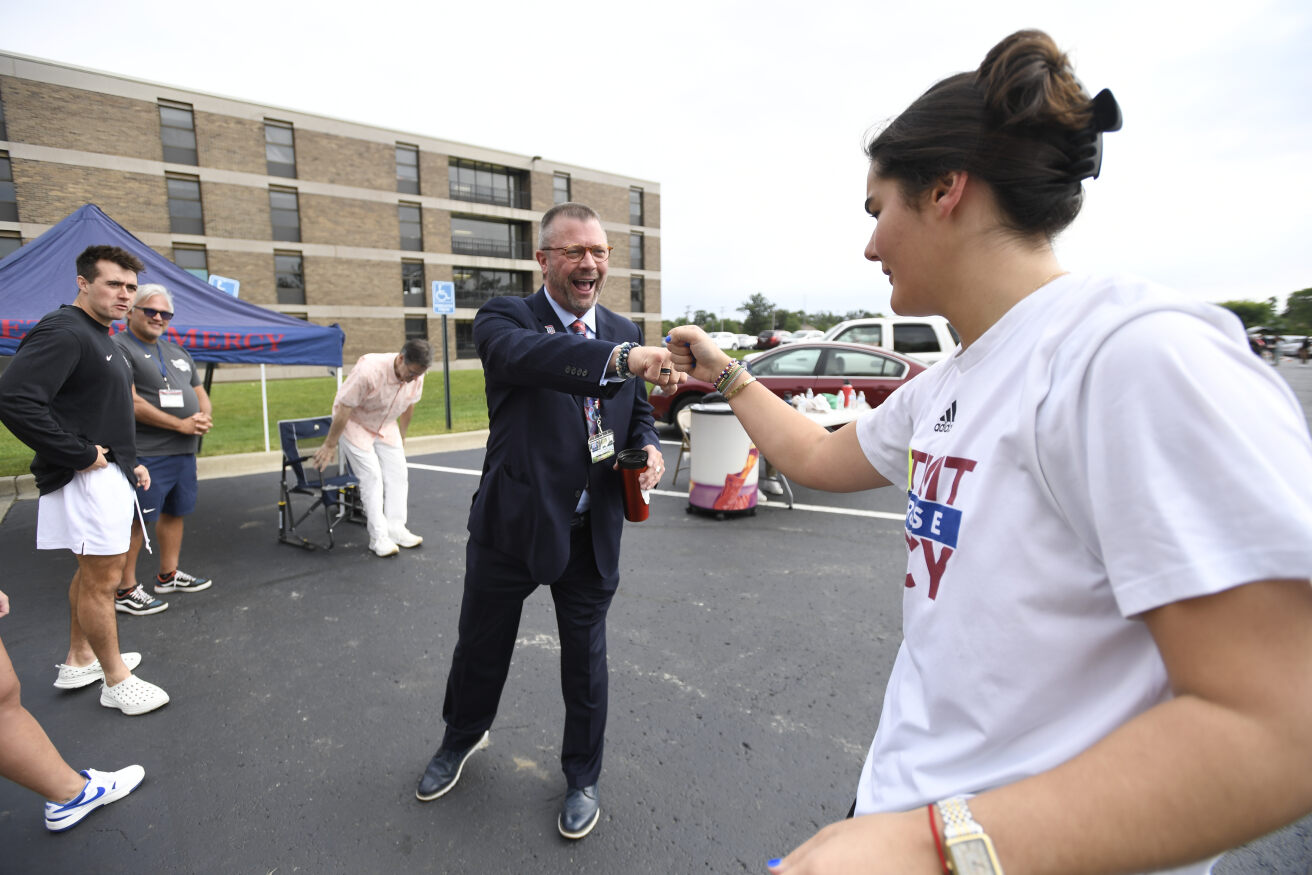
537	374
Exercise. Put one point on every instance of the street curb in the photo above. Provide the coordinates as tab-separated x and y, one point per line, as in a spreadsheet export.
22	487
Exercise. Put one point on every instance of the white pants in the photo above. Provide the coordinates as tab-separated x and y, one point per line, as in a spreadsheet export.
384	485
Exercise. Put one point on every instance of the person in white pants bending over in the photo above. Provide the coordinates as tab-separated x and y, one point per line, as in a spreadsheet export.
370	416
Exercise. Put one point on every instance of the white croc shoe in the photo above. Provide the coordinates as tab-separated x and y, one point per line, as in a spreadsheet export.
72	677
133	696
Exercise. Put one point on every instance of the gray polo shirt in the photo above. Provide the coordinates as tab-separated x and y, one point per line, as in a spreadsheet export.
156	366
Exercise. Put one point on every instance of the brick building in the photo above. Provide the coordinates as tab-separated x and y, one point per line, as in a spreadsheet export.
324	219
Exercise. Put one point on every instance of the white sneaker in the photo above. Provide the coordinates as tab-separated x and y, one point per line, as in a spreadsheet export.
405	538
384	547
102	788
72	677
774	487
133	696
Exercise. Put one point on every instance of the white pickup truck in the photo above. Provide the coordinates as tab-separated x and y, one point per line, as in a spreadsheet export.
928	338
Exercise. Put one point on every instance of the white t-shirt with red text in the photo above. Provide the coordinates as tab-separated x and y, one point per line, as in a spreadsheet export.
1107	447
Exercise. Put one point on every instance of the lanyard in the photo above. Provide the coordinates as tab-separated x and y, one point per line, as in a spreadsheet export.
159	357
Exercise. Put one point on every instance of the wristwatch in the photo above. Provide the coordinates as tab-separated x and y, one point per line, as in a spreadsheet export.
969	850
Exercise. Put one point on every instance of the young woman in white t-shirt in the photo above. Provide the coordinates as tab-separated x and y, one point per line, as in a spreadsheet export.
1107	663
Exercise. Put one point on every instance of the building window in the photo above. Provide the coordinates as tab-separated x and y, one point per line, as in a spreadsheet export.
635	252
498	239
475	287
193	260
285	214
416	327
290	277
8	194
637	295
465	348
185	213
485	183
635	206
279	149
177	132
412	283
4	132
407	169
560	188
9	242
412	227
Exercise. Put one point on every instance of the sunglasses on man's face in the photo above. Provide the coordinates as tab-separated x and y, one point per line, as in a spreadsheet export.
152	313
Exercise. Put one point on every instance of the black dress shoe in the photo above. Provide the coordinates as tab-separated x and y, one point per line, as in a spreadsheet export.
444	770
580	812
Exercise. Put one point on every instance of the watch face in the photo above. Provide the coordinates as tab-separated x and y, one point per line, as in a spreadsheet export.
973	856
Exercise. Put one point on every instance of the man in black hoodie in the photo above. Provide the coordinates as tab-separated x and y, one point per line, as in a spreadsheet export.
67	394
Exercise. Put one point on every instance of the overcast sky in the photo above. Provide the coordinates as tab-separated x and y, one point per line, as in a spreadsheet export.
751	115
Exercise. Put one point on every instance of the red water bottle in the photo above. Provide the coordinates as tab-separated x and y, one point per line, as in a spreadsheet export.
632	463
848	392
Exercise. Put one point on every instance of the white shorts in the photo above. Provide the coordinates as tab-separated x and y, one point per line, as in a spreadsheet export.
91	515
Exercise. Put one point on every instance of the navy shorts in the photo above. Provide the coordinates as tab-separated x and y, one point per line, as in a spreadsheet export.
172	485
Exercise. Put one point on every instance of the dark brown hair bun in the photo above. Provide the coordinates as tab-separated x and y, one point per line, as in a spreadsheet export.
1021	122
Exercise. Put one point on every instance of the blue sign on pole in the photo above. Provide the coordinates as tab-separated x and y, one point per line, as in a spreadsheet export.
444	305
444	298
225	284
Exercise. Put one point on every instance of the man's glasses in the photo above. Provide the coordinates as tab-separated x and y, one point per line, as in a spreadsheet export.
575	253
152	313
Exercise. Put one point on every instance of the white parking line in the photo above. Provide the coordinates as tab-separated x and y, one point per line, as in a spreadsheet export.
671	493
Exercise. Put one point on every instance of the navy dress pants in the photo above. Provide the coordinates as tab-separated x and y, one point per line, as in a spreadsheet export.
496	585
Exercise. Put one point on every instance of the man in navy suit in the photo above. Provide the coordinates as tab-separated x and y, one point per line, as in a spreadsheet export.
565	392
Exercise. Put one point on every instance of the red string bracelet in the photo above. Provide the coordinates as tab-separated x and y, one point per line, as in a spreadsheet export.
938	842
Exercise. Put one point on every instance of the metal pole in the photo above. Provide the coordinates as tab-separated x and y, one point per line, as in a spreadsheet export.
209	381
446	373
264	407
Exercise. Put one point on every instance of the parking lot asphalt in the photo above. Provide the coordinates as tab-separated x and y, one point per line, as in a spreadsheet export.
747	656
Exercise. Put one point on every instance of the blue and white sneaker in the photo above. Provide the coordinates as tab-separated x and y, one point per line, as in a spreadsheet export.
102	788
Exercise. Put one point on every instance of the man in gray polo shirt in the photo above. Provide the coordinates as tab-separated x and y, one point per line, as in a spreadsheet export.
172	411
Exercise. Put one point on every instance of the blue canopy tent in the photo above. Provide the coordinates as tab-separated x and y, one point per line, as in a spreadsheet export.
212	325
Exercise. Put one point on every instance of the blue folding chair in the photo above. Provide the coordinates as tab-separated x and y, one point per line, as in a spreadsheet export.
339	496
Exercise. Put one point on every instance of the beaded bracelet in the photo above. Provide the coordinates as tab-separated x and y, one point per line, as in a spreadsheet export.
622	363
730	374
728	396
724	373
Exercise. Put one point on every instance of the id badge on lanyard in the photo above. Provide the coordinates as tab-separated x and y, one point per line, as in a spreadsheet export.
601	446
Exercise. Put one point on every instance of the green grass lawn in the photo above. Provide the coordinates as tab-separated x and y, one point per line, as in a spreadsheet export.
237	426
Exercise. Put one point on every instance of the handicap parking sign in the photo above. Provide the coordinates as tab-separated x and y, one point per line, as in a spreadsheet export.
444	298
225	284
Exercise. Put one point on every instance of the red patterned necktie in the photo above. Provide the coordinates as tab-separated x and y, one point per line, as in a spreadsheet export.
591	406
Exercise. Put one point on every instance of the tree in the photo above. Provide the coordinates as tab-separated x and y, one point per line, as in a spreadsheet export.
1252	313
789	320
1298	312
707	320
760	314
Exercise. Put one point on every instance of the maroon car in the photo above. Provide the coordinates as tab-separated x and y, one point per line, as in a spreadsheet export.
770	339
792	369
